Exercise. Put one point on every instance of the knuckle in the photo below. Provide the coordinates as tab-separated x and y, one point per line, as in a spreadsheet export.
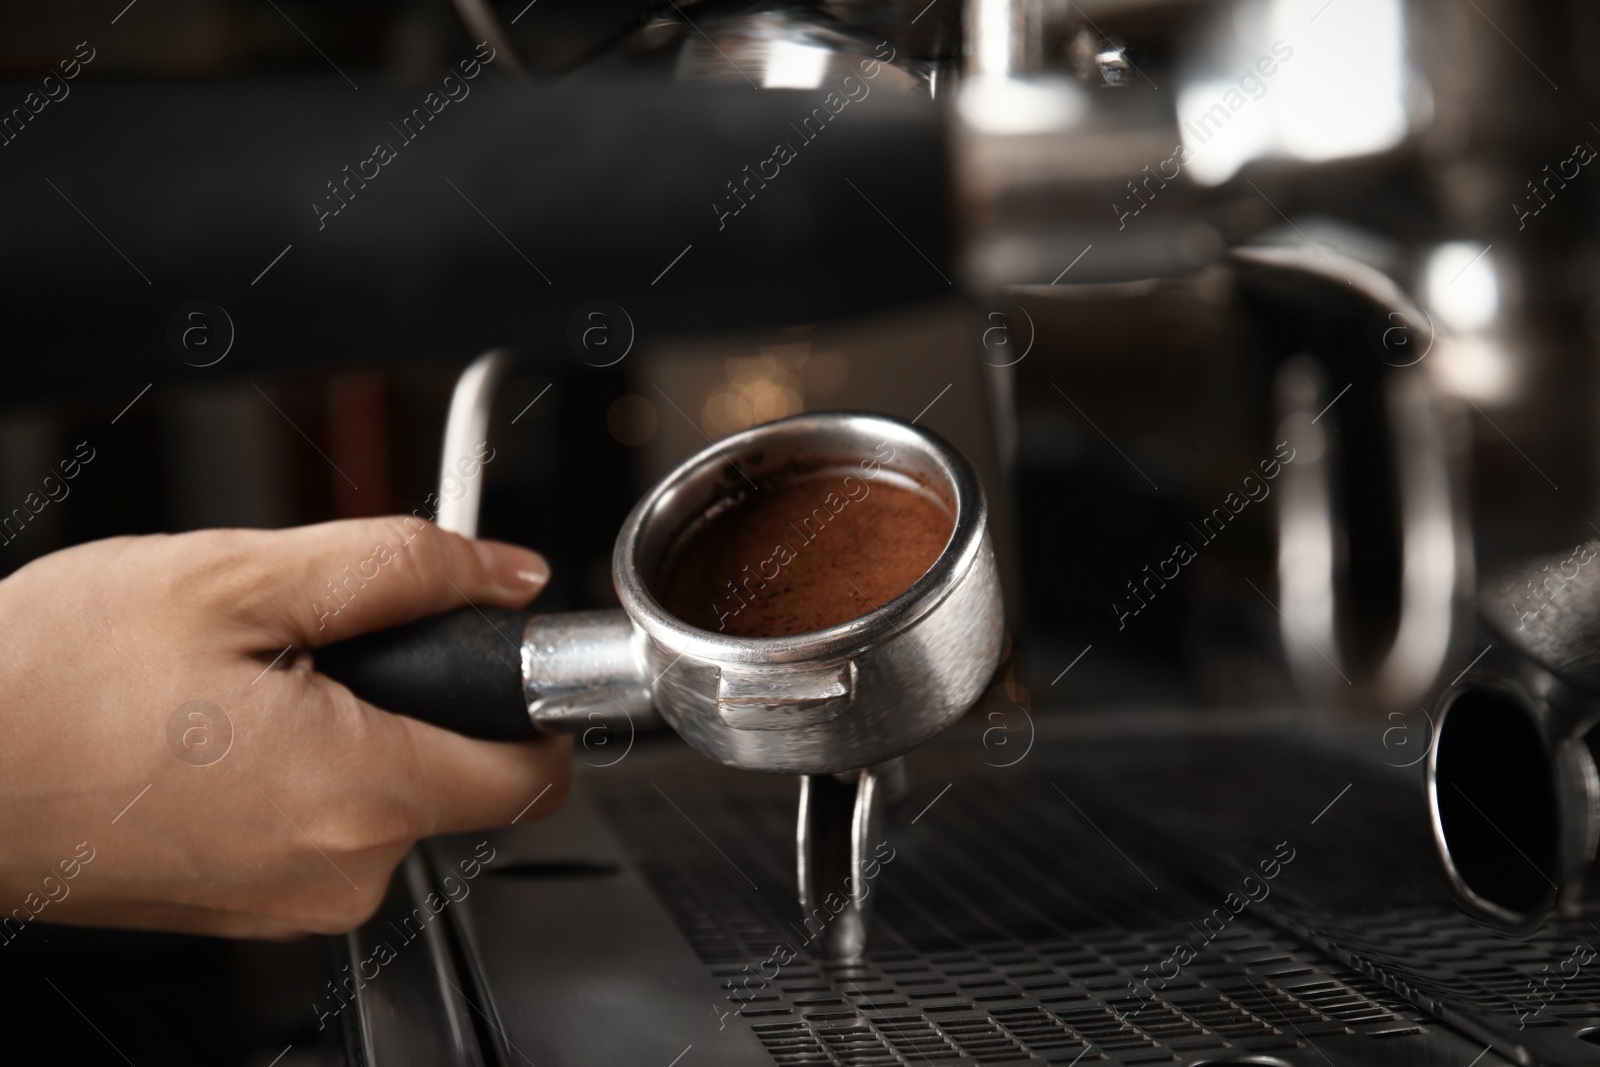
424	559
343	911
221	571
358	826
353	823
347	894
244	591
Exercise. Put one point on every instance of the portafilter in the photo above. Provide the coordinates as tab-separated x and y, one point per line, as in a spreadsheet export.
843	702
1512	784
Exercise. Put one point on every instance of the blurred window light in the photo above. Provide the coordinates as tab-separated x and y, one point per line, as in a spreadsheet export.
1460	286
1310	80
1222	140
1477	367
1010	106
1345	93
795	65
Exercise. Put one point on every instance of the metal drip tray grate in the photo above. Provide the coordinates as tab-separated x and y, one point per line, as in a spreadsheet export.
1537	992
1446	956
999	936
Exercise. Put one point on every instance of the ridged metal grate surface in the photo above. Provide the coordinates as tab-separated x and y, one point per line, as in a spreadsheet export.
1538	983
999	936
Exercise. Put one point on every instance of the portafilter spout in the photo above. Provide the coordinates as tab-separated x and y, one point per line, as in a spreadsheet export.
1512	784
839	705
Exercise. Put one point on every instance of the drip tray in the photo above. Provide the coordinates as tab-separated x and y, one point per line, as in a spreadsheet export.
654	922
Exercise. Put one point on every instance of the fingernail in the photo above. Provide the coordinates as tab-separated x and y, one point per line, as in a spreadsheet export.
519	570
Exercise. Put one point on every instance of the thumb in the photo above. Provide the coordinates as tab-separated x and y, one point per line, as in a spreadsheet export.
341	579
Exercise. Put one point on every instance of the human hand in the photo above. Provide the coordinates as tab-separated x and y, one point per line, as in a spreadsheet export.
291	814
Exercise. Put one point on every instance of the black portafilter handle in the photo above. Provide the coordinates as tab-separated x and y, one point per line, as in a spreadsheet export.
461	670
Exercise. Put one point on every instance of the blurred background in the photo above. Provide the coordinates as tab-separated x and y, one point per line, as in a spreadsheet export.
1124	253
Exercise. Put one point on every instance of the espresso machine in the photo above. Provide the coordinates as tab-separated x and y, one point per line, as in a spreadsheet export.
1262	328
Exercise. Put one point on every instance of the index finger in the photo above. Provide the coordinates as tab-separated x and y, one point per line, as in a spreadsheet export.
340	579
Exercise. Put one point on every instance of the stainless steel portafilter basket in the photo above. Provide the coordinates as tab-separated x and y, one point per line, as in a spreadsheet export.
1512	780
850	696
844	702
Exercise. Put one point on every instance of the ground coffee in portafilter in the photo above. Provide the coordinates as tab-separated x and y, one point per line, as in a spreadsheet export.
804	555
